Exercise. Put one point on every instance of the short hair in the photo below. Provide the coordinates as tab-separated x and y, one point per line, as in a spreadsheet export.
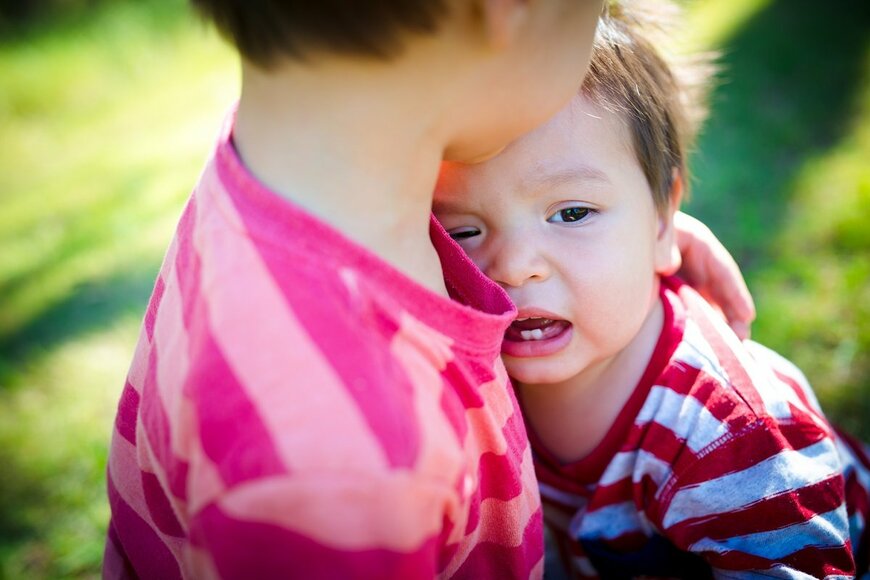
662	102
265	30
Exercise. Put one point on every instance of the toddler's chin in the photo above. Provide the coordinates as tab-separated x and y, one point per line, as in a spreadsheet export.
535	372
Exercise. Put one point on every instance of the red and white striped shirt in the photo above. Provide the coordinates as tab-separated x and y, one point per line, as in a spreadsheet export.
720	464
298	408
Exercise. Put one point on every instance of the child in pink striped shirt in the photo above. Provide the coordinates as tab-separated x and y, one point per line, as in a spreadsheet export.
664	446
306	399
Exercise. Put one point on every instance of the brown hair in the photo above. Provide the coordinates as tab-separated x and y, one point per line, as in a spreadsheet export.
264	30
661	102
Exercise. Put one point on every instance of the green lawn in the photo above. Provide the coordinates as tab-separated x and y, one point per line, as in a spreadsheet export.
783	172
107	115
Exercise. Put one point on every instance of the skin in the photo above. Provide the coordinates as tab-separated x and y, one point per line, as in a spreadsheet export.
711	270
564	221
358	142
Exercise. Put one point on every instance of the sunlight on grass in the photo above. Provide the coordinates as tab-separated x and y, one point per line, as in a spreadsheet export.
711	22
108	155
782	176
112	115
816	304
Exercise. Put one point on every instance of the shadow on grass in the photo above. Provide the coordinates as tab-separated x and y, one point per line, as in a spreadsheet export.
28	21
90	306
793	78
88	230
18	487
52	519
36	497
789	91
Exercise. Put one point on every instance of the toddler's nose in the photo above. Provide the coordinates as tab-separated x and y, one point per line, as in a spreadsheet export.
517	261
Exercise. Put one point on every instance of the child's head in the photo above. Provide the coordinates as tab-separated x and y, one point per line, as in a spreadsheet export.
264	32
490	70
628	77
575	219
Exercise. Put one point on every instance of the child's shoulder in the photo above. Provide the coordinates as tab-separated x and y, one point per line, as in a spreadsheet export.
716	386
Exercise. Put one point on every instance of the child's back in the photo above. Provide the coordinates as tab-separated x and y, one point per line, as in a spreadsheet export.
305	399
344	450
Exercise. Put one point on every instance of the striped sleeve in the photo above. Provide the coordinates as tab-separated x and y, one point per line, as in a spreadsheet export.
767	500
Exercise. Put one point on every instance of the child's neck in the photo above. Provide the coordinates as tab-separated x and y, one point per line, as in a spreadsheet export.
572	418
339	146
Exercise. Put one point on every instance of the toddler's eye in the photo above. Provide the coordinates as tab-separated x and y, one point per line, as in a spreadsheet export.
570	214
463	233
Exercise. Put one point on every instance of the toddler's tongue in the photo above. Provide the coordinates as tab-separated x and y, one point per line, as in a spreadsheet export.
534	329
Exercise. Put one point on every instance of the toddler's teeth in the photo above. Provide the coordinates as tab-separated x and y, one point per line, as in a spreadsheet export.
535	334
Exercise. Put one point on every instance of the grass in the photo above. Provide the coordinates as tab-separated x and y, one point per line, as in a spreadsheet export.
111	111
783	179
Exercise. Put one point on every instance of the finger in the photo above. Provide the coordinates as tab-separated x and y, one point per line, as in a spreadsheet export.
711	270
675	263
738	325
694	251
740	328
728	289
695	269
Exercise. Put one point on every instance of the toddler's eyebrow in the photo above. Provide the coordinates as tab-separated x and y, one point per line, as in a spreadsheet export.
561	176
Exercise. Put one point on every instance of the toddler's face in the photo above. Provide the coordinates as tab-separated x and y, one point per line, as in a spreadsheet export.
564	220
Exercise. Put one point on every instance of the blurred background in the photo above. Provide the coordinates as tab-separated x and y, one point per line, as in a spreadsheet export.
108	109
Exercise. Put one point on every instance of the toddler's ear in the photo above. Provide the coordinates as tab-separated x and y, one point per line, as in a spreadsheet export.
667	252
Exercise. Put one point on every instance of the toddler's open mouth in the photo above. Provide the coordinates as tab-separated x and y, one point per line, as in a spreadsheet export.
535	336
535	329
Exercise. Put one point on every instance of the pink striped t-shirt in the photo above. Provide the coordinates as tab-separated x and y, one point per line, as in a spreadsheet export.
298	408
